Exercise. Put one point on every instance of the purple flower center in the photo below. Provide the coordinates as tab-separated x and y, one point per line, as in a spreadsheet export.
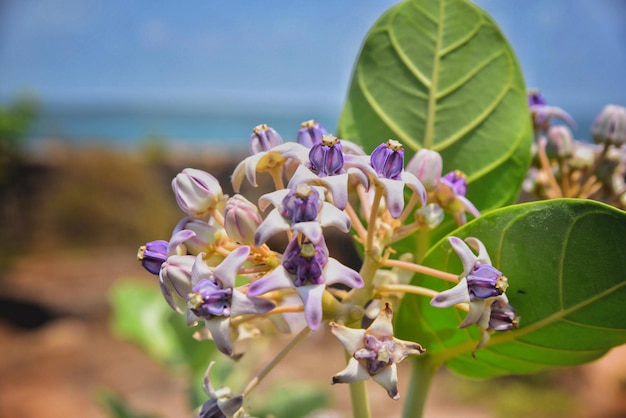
153	255
503	318
310	133
536	99
457	181
484	281
301	204
377	353
388	159
326	157
306	261
264	138
209	299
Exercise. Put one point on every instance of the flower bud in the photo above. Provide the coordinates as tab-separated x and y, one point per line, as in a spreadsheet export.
388	159
264	138
153	255
486	281
197	192
426	165
610	126
326	157
429	216
310	133
503	317
241	219
176	274
206	237
560	142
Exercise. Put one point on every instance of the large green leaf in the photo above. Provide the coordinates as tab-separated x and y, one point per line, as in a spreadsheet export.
565	261
439	74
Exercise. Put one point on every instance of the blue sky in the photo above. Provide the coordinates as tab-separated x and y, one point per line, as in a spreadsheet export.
278	53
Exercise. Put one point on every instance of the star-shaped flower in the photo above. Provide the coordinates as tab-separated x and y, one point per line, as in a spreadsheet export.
482	286
301	208
214	299
267	156
375	352
307	268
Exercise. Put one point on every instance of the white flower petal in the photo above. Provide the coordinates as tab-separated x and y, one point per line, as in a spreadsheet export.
311	229
352	373
330	215
394	194
219	327
242	304
350	338
450	297
478	309
274	198
483	256
271	225
227	270
200	270
465	254
413	182
312	299
335	272
382	325
388	378
278	278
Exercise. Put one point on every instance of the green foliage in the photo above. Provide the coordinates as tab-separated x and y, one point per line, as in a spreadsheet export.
116	407
291	401
565	262
440	75
140	315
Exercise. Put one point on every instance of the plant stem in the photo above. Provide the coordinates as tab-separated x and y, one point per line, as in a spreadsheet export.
360	401
257	379
422	373
418	268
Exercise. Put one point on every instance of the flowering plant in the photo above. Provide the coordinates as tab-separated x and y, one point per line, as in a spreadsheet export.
519	280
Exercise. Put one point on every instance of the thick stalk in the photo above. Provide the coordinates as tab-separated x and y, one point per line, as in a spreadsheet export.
422	373
360	400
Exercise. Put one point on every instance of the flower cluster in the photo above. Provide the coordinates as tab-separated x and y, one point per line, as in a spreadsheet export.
566	167
219	269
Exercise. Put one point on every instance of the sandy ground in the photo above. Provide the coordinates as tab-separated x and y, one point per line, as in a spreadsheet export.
54	365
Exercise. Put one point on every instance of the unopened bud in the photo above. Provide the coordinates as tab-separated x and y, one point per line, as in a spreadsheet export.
153	255
176	274
264	138
241	219
429	216
560	142
426	165
197	192
310	133
609	126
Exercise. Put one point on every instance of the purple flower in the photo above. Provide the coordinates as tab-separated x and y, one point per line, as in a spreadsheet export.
263	139
214	299
609	127
375	352
300	208
222	402
153	255
481	285
307	268
387	160
541	113
450	195
328	165
310	133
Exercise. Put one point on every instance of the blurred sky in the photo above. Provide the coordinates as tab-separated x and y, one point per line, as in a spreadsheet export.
275	52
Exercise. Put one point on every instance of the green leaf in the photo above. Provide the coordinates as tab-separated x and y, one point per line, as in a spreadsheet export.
141	315
439	74
565	262
295	400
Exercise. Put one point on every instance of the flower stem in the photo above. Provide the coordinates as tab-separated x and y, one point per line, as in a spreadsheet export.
416	290
371	227
257	379
422	373
360	401
405	265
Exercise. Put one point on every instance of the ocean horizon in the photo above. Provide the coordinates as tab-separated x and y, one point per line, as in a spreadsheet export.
131	127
